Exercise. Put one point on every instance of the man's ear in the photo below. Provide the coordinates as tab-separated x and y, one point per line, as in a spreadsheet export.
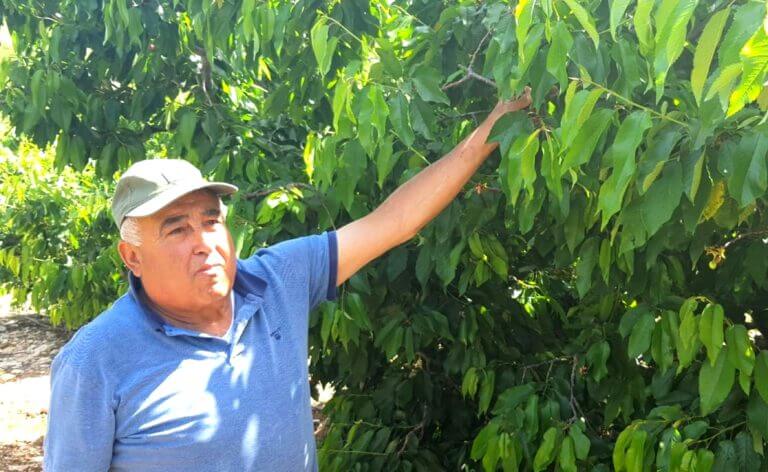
130	256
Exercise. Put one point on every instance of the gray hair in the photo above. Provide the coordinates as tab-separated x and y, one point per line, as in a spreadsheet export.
131	233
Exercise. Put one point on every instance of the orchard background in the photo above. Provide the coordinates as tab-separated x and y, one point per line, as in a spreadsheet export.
595	300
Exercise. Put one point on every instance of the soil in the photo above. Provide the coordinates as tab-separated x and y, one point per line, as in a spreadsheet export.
28	344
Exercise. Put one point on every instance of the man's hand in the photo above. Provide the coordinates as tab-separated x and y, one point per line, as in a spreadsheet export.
506	106
421	199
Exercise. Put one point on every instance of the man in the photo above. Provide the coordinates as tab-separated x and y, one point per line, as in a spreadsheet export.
203	364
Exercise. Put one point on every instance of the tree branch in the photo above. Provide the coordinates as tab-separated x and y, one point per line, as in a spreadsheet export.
470	73
267	191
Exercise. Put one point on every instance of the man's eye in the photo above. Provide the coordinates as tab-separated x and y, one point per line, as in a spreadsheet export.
176	231
213	222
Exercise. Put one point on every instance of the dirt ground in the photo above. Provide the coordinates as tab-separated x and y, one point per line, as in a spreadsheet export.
27	345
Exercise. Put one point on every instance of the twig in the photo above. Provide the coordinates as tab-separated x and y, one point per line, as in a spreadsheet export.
470	73
205	73
575	407
750	234
337	23
419	427
267	191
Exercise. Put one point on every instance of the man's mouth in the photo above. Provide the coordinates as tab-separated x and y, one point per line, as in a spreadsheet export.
209	269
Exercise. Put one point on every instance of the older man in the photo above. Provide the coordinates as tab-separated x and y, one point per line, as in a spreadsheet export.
202	365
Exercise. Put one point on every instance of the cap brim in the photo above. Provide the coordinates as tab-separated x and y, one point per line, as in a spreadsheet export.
164	199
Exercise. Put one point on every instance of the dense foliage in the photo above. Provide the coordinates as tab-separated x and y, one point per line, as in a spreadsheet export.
57	248
594	299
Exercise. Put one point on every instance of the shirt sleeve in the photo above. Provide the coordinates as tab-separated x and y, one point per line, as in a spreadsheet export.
309	262
81	419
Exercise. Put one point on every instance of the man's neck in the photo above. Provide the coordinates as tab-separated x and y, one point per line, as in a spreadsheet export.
214	320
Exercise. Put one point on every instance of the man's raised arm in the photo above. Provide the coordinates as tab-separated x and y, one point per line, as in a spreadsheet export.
418	201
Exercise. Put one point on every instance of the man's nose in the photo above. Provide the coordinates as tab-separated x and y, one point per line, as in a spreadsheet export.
204	241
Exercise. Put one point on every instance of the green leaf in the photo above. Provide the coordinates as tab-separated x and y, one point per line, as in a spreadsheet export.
705	459
427	83
630	319
585	141
663	197
621	157
365	120
512	397
469	383
508	128
557	56
725	457
604	260
328	311
322	47
580	442
422	118
520	165
523	17
747	459
619	454
341	99
711	331
578	108
597	357
761	374
186	128
483	438
671	19
385	160
380	111
705	51
636	452
715	383
693	170
724	81
486	392
757	414
585	265
662	348
400	118
351	166
532	416
749	177
688	341
566	460
618	7
546	452
640	338
37	90
739	349
491	458
643	28
754	59
585	19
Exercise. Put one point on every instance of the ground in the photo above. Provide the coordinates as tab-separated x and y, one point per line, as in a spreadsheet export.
28	344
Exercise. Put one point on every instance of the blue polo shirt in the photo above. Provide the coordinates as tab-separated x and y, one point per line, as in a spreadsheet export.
132	393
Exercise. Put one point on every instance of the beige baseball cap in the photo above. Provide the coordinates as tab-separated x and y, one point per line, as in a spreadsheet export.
149	186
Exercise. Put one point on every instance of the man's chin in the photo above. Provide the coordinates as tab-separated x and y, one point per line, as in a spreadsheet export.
214	289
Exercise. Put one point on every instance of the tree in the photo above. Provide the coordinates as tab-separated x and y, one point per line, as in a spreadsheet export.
588	302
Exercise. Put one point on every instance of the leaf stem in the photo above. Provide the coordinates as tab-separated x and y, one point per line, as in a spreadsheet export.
630	101
337	23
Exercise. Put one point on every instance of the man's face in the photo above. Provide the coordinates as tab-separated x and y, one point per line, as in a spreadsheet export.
186	258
